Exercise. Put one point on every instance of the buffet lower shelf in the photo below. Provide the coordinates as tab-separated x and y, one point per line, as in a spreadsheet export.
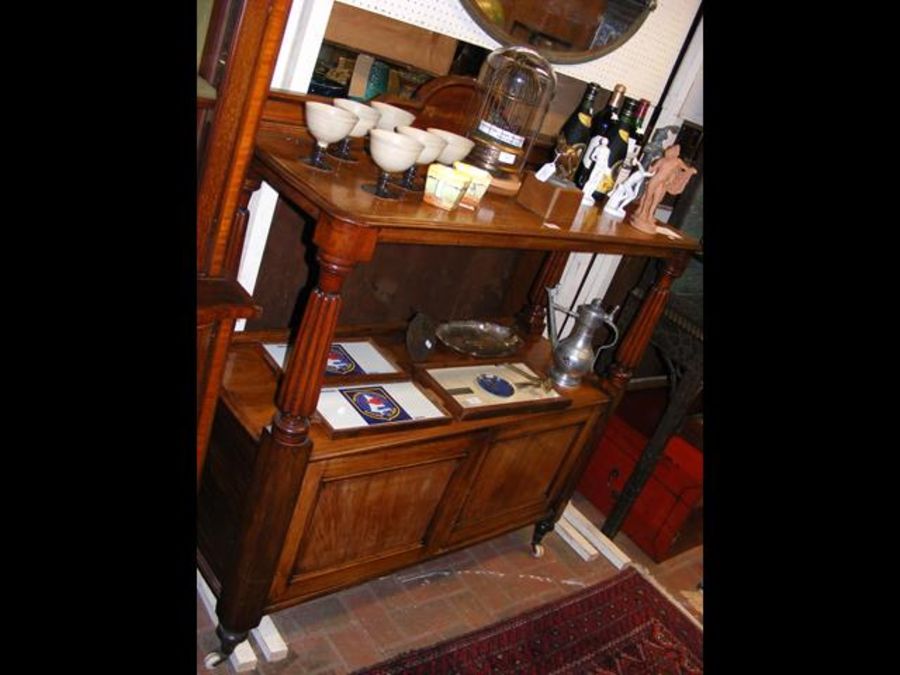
372	504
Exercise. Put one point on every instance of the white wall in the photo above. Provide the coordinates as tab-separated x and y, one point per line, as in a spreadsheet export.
685	98
643	63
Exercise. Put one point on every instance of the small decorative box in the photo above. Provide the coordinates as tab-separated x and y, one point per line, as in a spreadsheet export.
556	202
445	187
480	182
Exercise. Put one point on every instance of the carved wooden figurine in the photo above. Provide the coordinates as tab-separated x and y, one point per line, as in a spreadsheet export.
670	175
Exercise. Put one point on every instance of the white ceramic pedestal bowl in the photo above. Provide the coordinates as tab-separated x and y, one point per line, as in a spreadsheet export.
392	116
457	146
433	143
392	151
368	116
327	123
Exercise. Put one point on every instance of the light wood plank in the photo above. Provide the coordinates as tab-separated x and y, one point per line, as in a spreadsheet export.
574	539
269	640
599	540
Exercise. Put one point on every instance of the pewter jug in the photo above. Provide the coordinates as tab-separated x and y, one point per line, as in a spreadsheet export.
573	357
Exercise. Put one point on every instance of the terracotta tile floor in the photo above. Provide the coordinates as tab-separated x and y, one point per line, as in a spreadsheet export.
443	598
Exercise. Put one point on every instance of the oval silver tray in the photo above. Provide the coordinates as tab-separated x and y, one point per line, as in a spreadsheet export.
479	338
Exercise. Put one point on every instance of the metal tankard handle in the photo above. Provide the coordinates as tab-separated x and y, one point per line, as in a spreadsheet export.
608	320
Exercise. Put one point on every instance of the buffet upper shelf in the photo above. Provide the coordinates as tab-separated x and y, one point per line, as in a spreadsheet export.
499	221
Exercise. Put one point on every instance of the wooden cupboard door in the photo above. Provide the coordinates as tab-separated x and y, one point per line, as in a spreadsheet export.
366	514
522	470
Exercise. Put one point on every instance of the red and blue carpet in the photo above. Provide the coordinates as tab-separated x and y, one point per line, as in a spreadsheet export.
623	626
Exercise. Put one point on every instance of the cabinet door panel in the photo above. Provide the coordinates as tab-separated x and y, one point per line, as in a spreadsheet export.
518	472
360	516
368	513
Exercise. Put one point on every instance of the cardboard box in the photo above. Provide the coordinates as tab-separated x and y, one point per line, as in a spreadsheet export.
554	202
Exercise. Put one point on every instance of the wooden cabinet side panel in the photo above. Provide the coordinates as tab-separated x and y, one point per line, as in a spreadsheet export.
223	488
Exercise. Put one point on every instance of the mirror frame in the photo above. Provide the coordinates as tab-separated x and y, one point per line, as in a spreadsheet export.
554	55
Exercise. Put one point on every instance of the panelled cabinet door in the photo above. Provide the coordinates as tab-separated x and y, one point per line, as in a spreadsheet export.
368	513
520	473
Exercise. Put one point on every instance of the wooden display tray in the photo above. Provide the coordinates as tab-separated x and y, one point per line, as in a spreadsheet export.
337	379
406	395
466	399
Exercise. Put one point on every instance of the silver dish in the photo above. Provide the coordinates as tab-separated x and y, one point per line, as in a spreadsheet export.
479	338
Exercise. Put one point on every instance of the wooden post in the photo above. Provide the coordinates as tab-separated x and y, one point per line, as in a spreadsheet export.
632	348
281	460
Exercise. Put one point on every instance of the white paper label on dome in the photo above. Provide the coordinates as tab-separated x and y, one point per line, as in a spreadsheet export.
507	158
501	135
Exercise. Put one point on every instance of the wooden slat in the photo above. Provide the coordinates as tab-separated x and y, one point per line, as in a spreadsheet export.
390	39
599	540
222	298
573	538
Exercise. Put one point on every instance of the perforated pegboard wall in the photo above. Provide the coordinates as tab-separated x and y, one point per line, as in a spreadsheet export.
642	64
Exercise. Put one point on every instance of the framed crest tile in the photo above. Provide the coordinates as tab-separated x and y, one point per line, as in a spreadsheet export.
349	361
361	408
491	389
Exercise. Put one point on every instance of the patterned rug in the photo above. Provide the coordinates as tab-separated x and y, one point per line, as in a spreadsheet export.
623	626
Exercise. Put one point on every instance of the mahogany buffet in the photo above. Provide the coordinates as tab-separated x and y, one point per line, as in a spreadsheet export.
287	513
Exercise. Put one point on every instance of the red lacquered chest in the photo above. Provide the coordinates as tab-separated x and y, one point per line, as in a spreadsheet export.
670	496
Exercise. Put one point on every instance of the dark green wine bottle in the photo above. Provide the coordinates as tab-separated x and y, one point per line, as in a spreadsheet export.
575	134
618	139
641	124
600	126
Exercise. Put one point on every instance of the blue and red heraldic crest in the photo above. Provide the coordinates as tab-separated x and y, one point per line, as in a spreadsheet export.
341	363
375	405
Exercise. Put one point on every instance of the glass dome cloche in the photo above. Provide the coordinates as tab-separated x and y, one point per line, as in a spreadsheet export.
516	85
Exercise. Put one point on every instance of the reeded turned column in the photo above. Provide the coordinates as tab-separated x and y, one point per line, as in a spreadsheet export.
636	340
283	451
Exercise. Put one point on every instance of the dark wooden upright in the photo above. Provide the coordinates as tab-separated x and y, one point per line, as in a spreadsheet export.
226	148
288	513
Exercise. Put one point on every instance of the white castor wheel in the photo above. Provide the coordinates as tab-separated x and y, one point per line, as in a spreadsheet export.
213	659
537	550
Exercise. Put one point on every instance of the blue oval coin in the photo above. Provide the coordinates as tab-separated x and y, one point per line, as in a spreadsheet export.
496	385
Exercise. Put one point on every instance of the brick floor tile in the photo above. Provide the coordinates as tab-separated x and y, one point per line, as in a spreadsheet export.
489	559
372	615
424	586
456	559
470	610
489	591
453	631
355	646
319	615
289	665
425	619
389	592
313	654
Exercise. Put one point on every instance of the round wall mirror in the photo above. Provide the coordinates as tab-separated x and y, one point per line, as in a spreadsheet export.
563	31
